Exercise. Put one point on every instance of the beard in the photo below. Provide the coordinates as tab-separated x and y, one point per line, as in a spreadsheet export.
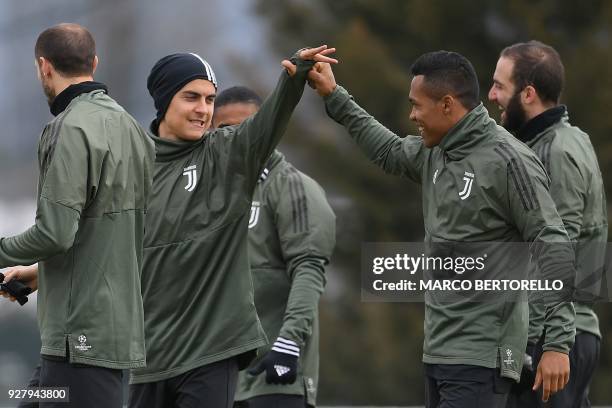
516	116
48	90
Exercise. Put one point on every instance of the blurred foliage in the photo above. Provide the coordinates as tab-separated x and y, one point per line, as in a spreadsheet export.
371	352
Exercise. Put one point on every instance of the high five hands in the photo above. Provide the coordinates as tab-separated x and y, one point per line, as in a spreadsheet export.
318	54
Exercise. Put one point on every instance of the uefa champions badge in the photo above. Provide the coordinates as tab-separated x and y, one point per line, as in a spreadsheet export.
310	387
82	346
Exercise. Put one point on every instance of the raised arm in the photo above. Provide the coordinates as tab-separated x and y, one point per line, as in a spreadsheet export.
255	138
394	155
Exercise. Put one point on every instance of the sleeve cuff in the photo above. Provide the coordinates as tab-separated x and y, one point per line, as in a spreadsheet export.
286	346
558	349
336	101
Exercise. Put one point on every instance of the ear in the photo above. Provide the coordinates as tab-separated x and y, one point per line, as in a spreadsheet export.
447	104
44	66
95	64
529	95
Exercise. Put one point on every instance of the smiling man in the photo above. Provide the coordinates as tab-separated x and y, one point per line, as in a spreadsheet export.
527	86
201	326
471	351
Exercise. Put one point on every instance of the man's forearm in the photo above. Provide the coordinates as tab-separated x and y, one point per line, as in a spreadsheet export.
53	233
559	327
265	129
302	305
383	147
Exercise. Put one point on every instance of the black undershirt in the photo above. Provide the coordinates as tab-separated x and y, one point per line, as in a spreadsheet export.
541	122
64	98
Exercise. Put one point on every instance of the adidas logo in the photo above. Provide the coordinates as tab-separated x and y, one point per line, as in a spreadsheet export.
281	370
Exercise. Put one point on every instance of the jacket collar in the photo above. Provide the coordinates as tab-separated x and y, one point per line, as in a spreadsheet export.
468	132
543	121
167	150
61	101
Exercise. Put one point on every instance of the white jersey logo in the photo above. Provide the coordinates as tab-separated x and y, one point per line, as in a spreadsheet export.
192	177
435	177
509	360
255	207
467	188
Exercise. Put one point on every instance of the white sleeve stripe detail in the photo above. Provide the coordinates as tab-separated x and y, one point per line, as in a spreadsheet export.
289	342
286	347
293	353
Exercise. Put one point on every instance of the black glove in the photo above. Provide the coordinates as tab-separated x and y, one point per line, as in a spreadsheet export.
280	362
16	289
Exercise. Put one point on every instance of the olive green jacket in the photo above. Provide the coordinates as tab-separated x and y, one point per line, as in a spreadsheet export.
291	239
96	167
196	281
578	191
480	185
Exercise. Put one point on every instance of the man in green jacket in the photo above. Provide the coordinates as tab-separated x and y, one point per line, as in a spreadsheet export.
527	86
201	325
291	238
96	168
480	185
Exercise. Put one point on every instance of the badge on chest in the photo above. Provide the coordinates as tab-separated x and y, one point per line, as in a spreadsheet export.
192	177
468	179
255	208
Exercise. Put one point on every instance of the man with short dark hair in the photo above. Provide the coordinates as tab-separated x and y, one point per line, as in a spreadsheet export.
480	185
95	179
527	86
201	325
291	238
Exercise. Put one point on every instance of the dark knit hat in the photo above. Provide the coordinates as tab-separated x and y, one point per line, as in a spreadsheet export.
173	72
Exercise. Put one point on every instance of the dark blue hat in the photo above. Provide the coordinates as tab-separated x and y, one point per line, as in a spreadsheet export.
173	72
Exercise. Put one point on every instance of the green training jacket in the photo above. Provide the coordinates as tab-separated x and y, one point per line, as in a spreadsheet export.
578	191
291	238
197	286
479	185
96	166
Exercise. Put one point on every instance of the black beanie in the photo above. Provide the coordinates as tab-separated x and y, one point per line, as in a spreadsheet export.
170	74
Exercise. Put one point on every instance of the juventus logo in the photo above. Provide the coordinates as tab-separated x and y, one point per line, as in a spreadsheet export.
467	188
255	207
192	177
435	177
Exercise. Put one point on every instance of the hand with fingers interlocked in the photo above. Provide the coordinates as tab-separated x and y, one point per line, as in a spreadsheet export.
318	54
321	79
